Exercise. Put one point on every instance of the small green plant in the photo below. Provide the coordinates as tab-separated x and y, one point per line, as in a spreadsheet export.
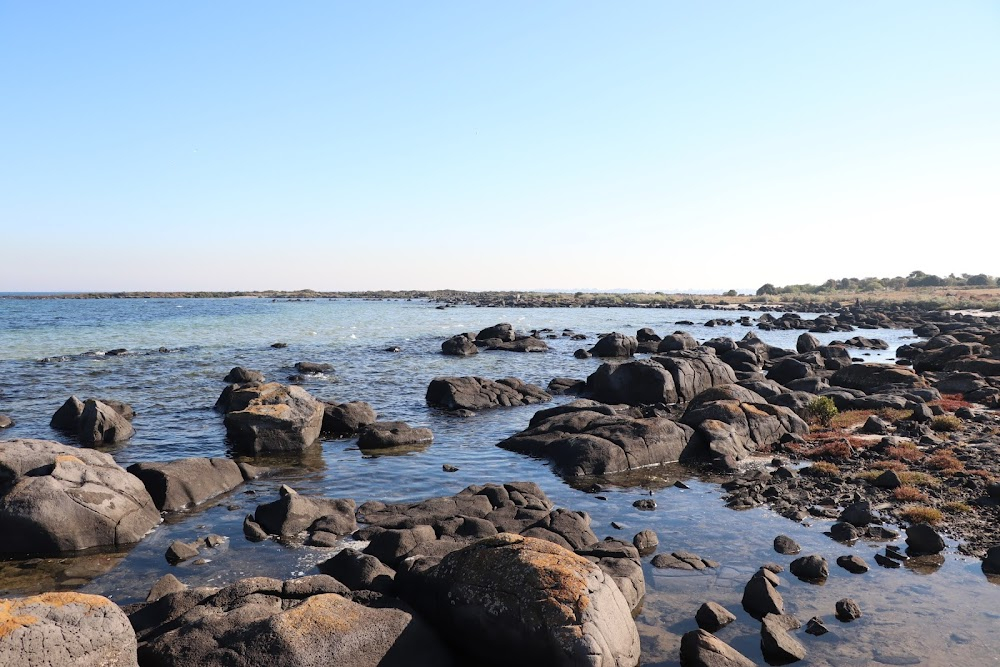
946	423
918	479
822	410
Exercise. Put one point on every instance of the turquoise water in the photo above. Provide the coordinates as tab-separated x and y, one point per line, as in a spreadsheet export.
946	617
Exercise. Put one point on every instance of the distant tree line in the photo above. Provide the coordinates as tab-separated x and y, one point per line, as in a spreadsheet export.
915	279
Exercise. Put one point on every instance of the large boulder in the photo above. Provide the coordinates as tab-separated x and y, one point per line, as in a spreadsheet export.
392	435
101	424
583	440
662	379
462	345
694	371
344	419
869	377
273	418
517	600
65	630
268	623
58	498
634	382
678	340
615	345
293	513
174	485
703	649
503	331
732	428
476	393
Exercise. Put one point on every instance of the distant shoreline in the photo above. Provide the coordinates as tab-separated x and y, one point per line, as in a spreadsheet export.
985	300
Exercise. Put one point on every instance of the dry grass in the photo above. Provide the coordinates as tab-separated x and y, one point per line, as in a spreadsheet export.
918	479
905	451
956	507
909	494
850	419
822	469
945	461
881	466
946	424
984	474
921	514
952	402
894	415
831	449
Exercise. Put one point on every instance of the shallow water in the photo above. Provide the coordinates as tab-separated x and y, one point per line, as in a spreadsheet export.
949	616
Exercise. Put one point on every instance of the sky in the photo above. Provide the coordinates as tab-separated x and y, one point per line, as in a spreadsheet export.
495	145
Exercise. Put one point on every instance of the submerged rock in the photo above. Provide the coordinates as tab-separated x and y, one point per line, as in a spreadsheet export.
384	435
476	393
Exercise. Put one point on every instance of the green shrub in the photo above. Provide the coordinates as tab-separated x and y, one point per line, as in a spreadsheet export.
822	410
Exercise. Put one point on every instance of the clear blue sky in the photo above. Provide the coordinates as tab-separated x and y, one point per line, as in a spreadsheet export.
380	145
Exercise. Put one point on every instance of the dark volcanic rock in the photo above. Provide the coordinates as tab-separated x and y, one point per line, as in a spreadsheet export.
869	377
584	438
848	610
273	418
266	621
174	485
761	598
810	568
503	331
100	424
359	571
703	649
313	368
711	616
240	375
292	513
345	419
65	630
786	545
459	346
615	345
776	644
476	393
59	498
922	539
853	564
517	600
736	429
383	435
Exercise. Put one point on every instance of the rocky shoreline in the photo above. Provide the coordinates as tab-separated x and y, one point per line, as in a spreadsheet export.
496	573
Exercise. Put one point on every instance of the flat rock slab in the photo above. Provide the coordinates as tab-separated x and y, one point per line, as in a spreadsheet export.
175	485
586	438
476	393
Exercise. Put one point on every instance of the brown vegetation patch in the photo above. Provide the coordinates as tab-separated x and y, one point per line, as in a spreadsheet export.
909	494
921	514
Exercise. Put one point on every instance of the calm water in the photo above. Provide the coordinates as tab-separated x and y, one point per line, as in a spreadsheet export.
912	616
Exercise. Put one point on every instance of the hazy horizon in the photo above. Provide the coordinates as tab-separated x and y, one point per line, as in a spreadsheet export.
231	146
